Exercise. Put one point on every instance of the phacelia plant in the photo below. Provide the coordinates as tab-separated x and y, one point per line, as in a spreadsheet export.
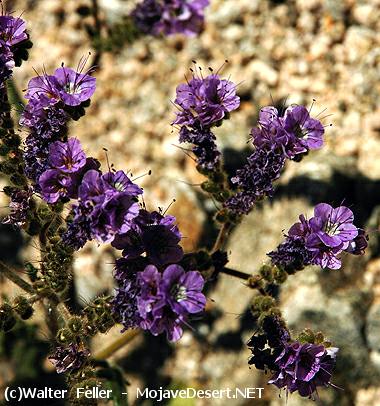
63	199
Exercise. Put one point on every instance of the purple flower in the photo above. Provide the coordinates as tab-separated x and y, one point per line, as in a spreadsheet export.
167	299
12	30
66	86
46	123
20	205
291	255
113	200
124	305
320	240
334	227
170	16
150	301
42	91
68	359
183	290
266	347
255	179
96	186
358	245
146	15
54	185
74	87
205	148
307	130
6	63
113	216
153	234
205	100
331	231
182	16
67	166
304	367
68	156
294	133
79	227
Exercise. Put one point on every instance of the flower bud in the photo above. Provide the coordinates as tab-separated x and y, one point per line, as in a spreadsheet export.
105	322
90	330
75	324
319	338
64	336
7	317
266	271
255	282
280	276
261	304
210	187
202	170
327	344
222	196
8	190
267	303
306	336
23	307
32	271
7	167
203	259
274	312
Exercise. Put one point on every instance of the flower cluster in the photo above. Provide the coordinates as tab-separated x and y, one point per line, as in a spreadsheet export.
52	101
320	240
203	103
69	358
20	207
154	235
107	204
255	179
168	17
276	138
155	292
295	366
293	133
304	367
158	301
13	38
67	164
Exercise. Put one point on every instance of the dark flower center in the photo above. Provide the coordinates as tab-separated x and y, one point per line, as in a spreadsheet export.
179	293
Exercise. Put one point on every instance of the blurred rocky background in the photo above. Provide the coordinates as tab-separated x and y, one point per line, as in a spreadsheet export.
279	52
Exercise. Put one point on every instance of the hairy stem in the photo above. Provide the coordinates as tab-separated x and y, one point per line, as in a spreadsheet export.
117	344
236	274
12	275
222	237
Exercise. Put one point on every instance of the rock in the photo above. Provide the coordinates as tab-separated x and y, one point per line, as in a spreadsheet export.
358	42
263	72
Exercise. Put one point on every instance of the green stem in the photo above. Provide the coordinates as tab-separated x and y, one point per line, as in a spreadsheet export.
117	344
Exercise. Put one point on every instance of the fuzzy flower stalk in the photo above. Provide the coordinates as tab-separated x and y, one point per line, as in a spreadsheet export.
275	139
203	103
